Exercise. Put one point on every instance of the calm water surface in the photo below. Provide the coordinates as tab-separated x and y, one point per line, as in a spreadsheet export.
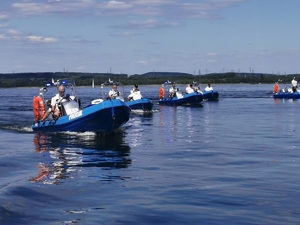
235	161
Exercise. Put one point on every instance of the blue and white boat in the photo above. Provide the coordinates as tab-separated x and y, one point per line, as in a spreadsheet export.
290	95
210	95
287	93
104	117
195	98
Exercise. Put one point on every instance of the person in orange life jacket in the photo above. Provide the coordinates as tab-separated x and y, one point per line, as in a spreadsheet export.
276	88
161	94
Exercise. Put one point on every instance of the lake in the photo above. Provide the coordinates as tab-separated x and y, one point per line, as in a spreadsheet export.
235	161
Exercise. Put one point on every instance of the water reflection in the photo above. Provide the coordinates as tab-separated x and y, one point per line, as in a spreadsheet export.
139	125
282	100
179	122
208	119
65	153
167	123
168	116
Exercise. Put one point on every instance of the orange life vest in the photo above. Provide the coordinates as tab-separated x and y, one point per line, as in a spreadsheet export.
276	88
38	108
161	93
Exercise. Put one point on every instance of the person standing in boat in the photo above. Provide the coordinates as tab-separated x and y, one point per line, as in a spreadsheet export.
56	99
276	88
135	93
208	88
161	94
172	91
114	93
294	84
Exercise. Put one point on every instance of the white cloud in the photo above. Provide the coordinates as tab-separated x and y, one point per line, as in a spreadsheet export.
41	39
211	54
144	62
148	62
118	5
3	16
4	25
154	2
125	34
148	24
52	7
28	7
164	8
14	32
15	35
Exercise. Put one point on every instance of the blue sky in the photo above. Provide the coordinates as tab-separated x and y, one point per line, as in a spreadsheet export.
139	36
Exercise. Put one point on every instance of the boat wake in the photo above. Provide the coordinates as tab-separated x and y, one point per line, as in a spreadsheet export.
28	129
22	129
143	112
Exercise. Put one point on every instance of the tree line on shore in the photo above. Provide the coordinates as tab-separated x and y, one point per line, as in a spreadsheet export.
85	79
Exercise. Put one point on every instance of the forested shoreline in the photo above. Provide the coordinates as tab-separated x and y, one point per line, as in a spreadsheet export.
85	79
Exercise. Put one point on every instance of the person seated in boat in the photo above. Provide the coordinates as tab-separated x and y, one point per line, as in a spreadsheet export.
208	88
173	90
135	93
135	88
276	88
189	89
114	93
49	110
194	86
161	93
294	84
56	99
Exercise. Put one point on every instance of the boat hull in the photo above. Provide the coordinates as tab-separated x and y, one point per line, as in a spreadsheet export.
143	104
103	117
295	95
210	95
187	99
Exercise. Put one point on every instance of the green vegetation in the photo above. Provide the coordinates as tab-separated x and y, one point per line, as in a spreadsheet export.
85	79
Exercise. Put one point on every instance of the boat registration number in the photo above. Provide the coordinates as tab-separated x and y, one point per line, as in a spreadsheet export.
75	115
